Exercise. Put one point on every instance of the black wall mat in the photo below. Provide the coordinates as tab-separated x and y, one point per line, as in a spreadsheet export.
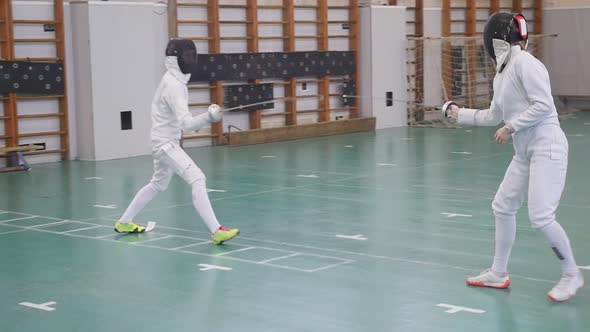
31	78
348	89
246	94
252	66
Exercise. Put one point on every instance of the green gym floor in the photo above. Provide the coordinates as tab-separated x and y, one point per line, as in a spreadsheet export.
362	232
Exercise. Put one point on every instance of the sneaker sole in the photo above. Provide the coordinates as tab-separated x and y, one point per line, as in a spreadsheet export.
221	242
556	300
135	231
505	285
569	298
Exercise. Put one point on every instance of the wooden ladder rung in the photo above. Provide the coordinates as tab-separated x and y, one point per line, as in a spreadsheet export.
235	22
272	37
236	38
188	4
42	134
199	87
40	116
268	115
341	22
39	97
193	22
49	59
308	37
272	22
5	150
270	7
197	136
33	153
37	40
199	38
35	22
227	5
308	22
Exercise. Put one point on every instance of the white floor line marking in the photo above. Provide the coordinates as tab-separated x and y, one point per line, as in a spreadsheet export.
438	197
468	131
452	215
43	306
15	231
93	178
154	239
290	244
325	197
279	258
233	259
330	266
312	176
207	267
442	188
340	185
349	146
489	227
407	139
385	164
268	157
80	229
215	191
358	237
587	267
233	251
51	224
286	267
404	230
453	309
184	236
105	206
351	253
15	219
576	135
100	237
246	260
191	245
461	152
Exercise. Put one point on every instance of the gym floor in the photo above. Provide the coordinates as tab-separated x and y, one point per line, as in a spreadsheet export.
363	232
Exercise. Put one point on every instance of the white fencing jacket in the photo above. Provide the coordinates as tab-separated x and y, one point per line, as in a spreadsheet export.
170	112
522	95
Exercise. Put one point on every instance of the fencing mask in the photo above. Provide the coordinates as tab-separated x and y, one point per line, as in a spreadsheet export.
185	51
501	31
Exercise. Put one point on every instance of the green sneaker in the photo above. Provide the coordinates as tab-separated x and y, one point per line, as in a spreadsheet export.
129	227
224	234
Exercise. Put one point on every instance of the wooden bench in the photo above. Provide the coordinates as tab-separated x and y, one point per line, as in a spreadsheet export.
16	155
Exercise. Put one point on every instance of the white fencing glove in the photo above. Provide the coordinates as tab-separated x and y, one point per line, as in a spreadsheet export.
447	111
214	113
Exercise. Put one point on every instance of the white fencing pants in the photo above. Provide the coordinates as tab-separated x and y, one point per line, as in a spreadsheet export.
168	160
538	170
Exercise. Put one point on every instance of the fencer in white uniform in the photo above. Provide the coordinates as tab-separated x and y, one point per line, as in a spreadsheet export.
523	101
170	117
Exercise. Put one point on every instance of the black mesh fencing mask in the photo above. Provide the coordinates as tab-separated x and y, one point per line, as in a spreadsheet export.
186	53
